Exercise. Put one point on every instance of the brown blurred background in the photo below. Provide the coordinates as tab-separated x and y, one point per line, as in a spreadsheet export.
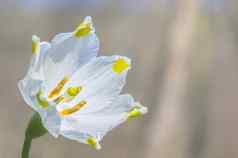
185	69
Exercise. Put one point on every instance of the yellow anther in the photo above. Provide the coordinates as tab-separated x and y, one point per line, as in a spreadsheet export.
73	91
43	103
59	99
119	66
55	92
93	142
74	109
35	44
83	29
133	113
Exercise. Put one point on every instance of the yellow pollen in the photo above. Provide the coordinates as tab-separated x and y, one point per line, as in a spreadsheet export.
83	29
55	92
73	91
119	66
74	109
35	44
43	103
92	142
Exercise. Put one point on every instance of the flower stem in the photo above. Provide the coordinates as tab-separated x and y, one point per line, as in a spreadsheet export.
26	147
34	130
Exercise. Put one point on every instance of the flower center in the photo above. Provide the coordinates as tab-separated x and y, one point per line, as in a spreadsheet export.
69	95
66	97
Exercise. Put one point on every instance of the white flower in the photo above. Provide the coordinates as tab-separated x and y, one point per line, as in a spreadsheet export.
76	93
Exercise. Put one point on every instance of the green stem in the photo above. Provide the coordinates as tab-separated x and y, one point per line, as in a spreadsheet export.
34	130
26	147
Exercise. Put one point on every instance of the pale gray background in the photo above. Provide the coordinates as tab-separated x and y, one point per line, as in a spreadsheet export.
185	69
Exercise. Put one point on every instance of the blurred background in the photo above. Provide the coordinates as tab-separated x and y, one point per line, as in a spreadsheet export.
185	69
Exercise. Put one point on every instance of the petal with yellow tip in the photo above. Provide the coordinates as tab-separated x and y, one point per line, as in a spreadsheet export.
93	142
35	44
98	78
99	122
68	53
120	65
82	30
85	28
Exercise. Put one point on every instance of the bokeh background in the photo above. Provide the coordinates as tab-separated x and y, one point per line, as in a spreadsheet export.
185	69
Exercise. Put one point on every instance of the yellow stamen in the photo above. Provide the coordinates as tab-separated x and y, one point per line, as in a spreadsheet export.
83	29
120	65
55	92
92	142
73	91
59	99
43	103
35	44
74	109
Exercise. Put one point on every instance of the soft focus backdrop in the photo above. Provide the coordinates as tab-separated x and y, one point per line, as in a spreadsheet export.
185	69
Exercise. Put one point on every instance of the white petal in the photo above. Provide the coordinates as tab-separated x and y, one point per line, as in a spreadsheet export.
35	67
73	134
33	79
27	87
99	83
99	123
95	126
30	85
51	120
67	54
120	104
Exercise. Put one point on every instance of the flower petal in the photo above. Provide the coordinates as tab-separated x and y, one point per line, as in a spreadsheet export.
99	82
34	77
85	138
31	84
68	53
99	123
27	87
51	120
35	67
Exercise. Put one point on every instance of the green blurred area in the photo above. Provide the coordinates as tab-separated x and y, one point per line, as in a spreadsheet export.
184	68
